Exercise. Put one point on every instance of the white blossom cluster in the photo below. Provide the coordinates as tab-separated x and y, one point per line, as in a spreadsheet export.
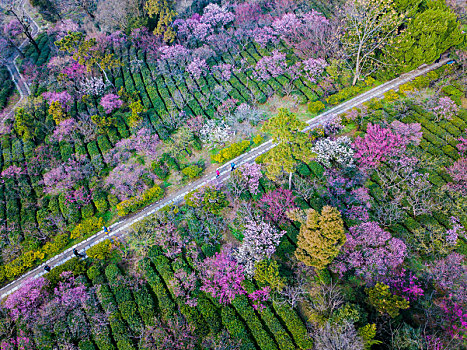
92	86
329	152
215	132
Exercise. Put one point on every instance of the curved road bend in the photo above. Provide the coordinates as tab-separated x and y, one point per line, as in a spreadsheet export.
119	228
16	76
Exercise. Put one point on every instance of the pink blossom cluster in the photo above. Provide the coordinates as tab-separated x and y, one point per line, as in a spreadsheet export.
11	172
258	297
410	133
80	197
183	285
24	302
64	130
174	54
404	283
446	109
110	102
64	98
222	277
314	68
126	180
455	318
197	68
462	145
251	173
223	71
276	203
370	251
270	66
377	145
74	70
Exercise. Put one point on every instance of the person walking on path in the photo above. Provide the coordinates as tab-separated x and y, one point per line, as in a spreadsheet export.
47	268
232	166
75	251
218	173
106	230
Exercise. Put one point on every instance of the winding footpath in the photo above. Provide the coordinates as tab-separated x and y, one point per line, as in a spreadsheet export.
20	83
120	228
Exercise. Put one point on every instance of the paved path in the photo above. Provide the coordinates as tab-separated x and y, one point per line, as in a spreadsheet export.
120	228
16	76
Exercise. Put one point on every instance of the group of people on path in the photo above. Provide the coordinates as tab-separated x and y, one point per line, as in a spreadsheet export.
47	268
232	168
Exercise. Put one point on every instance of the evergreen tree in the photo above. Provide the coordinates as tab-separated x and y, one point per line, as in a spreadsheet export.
321	235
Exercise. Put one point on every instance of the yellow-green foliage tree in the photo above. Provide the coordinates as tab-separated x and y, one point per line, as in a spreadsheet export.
83	51
163	11
292	145
321	235
384	301
24	124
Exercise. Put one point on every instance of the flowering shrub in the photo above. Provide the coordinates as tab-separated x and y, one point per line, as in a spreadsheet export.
331	152
455	318
446	109
23	302
126	180
259	296
314	68
270	66
260	240
197	68
377	144
215	132
222	277
184	285
411	133
276	203
458	173
450	275
371	251
63	98
110	102
64	130
228	153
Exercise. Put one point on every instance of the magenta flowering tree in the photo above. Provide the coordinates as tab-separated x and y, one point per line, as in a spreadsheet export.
370	251
116	39
126	180
222	277
259	296
79	197
269	67
168	237
251	173
143	142
175	55
64	98
446	109
455	318
410	133
24	302
458	173
197	68
110	102
276	203
404	283
20	342
65	131
462	145
314	69
377	144
12	172
65	176
184	286
74	70
260	241
222	71
450	275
